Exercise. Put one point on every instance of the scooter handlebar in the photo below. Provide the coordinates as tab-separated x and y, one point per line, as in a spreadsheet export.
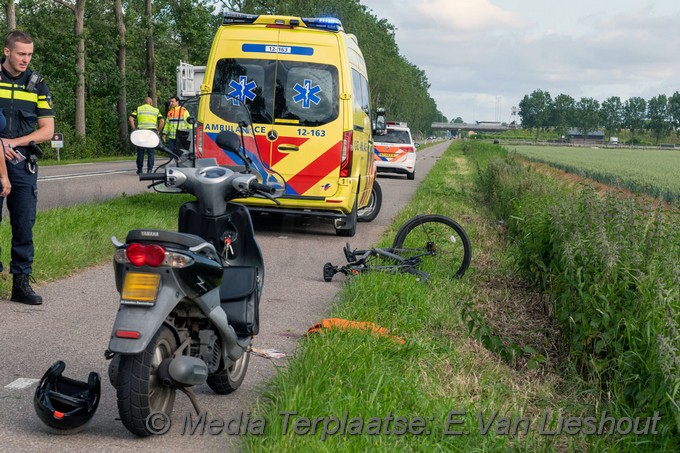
151	176
256	186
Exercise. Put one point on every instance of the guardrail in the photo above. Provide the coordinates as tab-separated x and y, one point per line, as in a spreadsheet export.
482	127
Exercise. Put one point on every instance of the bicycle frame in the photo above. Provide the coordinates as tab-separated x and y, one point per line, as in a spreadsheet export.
358	262
420	239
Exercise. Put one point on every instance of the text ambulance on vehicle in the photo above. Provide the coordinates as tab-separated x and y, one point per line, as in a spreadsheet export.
395	151
305	83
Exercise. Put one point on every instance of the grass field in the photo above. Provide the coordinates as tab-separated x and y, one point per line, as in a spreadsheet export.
481	353
648	171
483	345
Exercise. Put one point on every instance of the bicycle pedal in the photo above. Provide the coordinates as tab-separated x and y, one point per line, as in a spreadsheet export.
328	272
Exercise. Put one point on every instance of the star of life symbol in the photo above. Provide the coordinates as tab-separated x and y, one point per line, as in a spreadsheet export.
307	94
242	89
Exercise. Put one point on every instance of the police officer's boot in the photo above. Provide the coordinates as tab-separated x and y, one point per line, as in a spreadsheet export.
22	291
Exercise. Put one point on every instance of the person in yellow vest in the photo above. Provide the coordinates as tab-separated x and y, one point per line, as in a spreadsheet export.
148	117
176	128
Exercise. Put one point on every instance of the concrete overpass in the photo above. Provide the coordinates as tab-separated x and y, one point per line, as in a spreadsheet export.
479	126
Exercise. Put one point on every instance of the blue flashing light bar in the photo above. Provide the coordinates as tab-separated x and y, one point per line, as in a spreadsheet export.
323	23
232	17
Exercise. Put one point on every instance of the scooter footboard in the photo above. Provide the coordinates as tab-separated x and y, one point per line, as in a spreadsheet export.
240	299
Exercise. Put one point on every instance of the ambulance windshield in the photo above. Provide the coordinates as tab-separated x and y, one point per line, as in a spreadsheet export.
283	92
210	113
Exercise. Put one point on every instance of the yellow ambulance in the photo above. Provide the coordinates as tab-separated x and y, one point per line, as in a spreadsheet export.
304	81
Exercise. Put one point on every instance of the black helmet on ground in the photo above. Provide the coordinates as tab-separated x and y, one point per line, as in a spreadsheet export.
64	404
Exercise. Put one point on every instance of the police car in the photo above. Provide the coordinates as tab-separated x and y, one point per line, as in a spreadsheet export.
395	151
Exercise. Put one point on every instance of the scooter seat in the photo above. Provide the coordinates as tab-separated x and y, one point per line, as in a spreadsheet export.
169	238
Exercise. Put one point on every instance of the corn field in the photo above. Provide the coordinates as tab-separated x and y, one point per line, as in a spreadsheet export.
647	171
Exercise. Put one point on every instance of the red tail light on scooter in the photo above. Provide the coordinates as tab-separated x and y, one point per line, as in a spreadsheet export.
140	255
152	255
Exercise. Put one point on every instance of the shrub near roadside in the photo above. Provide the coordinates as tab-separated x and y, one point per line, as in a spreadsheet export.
611	267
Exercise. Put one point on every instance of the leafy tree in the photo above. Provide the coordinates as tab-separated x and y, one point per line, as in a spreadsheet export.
611	113
535	110
563	111
78	9
658	116
634	110
403	89
121	105
10	13
150	51
188	20
674	111
587	116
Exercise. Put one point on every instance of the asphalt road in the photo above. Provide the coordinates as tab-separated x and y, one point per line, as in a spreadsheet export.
63	185
66	185
75	321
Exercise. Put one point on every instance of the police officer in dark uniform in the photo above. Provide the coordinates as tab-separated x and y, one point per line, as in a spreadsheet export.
26	103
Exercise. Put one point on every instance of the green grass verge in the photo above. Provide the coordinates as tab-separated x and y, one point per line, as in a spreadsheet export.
52	160
441	381
74	238
610	266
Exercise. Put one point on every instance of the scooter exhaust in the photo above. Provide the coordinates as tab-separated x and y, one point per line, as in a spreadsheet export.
183	371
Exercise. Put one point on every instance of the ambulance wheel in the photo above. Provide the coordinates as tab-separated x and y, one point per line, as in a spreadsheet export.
370	212
347	227
411	176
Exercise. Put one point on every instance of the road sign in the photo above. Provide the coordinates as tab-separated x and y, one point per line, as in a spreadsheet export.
57	141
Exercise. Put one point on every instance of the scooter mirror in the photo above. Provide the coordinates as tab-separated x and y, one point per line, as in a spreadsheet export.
145	138
229	141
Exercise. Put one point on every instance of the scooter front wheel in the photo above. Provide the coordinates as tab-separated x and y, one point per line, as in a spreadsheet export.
139	390
226	381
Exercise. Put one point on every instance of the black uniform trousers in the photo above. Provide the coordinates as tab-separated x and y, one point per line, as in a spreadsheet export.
22	204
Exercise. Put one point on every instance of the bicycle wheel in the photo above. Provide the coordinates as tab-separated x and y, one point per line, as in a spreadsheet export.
440	241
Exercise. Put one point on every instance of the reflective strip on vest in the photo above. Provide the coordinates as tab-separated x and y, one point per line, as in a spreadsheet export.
147	117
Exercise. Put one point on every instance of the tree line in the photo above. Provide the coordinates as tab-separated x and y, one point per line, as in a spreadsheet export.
102	58
659	115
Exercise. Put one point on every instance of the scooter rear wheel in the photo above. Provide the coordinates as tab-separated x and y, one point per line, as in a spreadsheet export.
139	390
226	381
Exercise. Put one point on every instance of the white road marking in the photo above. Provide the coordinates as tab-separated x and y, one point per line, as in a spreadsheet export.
82	175
21	383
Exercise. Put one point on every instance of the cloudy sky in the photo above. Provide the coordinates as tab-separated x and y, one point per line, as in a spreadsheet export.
482	56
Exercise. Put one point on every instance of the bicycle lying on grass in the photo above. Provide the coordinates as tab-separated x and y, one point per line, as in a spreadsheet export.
423	244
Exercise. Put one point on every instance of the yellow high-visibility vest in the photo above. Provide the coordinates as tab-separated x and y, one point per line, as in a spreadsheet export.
147	116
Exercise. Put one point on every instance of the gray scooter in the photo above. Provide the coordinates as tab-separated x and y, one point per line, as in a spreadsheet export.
189	305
